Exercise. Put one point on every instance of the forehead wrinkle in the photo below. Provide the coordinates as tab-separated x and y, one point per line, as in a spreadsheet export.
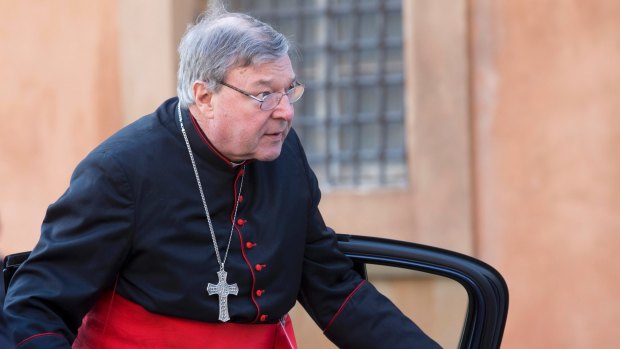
251	77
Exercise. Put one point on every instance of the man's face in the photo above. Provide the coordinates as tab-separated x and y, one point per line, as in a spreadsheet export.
237	126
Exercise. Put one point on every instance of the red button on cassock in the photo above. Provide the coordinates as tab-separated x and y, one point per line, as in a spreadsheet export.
249	245
260	292
241	221
260	267
263	317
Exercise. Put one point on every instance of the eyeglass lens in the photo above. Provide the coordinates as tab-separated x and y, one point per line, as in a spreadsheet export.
273	99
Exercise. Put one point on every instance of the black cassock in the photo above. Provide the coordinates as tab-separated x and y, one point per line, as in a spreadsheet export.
132	219
5	338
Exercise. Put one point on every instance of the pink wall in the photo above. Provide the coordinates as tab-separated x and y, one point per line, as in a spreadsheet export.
58	98
546	89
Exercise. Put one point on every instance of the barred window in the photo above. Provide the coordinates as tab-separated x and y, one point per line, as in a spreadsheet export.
351	117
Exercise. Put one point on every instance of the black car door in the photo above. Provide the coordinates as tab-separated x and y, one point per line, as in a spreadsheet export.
487	292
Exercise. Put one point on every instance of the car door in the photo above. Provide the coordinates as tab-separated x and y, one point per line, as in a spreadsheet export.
486	291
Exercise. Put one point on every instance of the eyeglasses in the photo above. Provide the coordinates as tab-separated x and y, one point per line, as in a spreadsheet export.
270	100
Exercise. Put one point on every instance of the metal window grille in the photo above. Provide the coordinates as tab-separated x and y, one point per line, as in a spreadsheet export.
351	118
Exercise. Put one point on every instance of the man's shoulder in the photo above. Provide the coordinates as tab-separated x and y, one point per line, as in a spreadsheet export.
145	137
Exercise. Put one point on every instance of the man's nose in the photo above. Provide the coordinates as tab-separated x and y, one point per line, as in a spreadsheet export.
284	109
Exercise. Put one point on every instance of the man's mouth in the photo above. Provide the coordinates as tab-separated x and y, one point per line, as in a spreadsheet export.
275	136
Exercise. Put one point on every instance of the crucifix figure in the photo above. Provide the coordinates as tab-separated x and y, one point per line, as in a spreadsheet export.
222	289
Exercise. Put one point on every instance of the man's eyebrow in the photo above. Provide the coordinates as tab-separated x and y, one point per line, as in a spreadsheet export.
264	82
269	82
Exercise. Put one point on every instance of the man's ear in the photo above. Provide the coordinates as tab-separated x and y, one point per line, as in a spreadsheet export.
202	97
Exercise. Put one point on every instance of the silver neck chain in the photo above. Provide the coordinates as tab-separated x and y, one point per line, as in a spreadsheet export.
220	261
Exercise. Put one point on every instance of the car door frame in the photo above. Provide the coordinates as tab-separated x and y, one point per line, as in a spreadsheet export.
487	291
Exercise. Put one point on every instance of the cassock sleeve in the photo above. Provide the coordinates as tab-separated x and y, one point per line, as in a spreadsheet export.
5	337
351	312
85	237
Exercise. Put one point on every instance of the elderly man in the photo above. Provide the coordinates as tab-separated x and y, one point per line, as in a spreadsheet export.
198	226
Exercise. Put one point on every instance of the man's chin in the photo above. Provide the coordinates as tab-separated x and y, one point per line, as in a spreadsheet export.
269	155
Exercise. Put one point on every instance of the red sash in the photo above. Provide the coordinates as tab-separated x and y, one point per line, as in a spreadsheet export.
117	323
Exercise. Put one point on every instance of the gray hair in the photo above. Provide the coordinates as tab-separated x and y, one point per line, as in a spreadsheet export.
222	40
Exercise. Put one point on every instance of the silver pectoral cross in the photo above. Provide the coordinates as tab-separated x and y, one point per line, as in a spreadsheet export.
222	289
